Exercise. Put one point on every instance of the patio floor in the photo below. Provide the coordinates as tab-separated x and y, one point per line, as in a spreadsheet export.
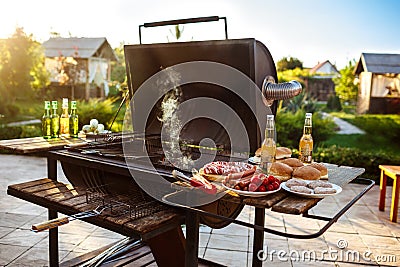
364	234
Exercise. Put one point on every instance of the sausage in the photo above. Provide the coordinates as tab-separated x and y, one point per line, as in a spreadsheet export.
238	175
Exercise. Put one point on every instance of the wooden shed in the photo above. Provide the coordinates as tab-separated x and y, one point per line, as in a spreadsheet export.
82	65
379	83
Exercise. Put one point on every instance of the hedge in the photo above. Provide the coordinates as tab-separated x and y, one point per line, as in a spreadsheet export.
356	158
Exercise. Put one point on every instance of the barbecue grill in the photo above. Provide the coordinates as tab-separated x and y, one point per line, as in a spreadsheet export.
168	71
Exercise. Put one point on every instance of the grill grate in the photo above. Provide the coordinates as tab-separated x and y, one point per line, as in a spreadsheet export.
135	204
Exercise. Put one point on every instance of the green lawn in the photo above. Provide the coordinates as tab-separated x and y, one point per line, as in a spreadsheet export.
366	142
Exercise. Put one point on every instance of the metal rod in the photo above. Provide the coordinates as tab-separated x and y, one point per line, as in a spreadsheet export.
119	108
258	242
226	27
284	234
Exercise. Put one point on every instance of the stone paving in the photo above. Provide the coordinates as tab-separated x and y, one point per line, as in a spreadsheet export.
363	231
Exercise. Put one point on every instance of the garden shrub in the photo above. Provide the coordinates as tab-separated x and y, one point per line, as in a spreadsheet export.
10	132
289	127
23	131
102	110
31	130
333	103
356	158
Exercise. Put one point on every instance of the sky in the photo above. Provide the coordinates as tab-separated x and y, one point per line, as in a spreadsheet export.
310	30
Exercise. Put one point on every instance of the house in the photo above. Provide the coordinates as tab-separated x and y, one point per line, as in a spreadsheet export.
379	83
79	67
320	84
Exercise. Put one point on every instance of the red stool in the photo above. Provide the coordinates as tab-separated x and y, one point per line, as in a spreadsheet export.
394	173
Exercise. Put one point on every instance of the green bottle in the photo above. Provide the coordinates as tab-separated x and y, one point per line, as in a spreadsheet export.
55	121
46	121
73	121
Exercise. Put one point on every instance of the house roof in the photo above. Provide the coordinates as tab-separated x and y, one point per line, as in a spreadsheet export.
378	63
83	47
316	68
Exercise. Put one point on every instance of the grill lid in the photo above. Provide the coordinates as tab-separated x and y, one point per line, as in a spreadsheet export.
210	108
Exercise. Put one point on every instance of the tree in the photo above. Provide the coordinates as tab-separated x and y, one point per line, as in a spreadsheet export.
289	63
345	87
21	66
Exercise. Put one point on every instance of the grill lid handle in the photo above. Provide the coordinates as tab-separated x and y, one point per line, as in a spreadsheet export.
182	21
279	91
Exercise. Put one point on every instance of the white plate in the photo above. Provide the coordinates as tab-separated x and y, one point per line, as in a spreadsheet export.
252	194
255	160
336	187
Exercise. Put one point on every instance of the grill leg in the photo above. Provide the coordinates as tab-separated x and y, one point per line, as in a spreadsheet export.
52	214
192	239
258	242
168	248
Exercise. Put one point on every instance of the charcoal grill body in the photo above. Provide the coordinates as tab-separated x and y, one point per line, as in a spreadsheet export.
248	56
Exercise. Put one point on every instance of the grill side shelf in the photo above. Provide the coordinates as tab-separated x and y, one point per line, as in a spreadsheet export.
71	200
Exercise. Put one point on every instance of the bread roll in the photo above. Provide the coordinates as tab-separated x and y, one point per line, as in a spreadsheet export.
306	173
321	167
281	171
292	162
283	152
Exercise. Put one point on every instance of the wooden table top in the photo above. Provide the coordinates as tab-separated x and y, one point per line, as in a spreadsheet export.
390	169
39	144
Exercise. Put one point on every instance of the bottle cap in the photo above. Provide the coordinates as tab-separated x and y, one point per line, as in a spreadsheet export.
54	104
308	115
270	117
46	104
73	104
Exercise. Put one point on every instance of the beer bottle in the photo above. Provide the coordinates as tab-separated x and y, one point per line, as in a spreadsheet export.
55	120
73	121
64	119
268	147
46	121
306	141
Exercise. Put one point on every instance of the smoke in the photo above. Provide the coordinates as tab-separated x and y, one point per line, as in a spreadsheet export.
170	118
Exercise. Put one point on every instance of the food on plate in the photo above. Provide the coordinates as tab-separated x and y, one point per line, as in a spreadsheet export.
306	173
324	190
281	171
94	127
318	183
257	182
301	189
225	167
292	162
218	170
296	182
321	167
312	188
283	152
